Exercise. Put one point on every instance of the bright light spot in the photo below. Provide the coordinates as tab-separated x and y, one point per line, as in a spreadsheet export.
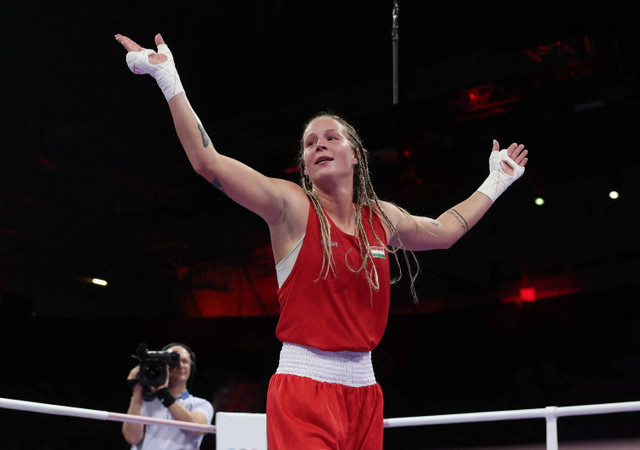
99	282
614	195
539	201
528	294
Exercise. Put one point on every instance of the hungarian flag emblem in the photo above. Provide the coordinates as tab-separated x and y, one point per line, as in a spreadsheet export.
378	252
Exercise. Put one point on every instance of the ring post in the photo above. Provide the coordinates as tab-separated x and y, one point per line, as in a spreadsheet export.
551	415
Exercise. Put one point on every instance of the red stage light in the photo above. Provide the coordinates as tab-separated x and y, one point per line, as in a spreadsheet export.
528	294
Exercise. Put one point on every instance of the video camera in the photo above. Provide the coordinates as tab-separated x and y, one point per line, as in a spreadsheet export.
153	365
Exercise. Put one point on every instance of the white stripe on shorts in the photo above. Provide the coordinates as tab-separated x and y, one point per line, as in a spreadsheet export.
347	368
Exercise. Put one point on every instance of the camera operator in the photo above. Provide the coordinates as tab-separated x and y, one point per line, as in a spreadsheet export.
170	400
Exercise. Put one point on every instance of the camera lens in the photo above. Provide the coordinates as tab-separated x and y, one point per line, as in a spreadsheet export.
152	373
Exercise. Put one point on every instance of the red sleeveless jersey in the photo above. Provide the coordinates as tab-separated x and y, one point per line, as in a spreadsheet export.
339	312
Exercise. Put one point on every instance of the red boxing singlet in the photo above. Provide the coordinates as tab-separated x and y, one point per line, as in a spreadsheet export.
340	312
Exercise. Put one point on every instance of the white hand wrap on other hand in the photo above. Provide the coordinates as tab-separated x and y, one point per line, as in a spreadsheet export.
499	180
164	73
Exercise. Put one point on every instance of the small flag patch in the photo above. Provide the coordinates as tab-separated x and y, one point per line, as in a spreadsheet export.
378	252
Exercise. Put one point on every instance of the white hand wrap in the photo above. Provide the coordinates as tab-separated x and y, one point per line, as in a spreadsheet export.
164	73
498	180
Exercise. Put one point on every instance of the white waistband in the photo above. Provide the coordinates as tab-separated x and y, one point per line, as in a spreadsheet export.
348	368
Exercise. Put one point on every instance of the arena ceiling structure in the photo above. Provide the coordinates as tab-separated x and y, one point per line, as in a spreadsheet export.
94	183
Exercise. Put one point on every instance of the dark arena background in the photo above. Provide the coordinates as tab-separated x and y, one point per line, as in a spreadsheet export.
537	306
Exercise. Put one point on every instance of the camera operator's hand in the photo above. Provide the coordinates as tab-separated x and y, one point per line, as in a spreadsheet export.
166	380
132	380
162	392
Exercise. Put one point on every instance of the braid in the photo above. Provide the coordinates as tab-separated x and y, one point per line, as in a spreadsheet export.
363	195
328	264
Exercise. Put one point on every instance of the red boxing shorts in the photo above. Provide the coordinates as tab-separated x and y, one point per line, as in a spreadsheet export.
304	413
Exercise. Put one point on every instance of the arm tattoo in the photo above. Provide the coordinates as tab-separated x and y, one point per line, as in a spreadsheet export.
205	136
217	185
459	218
205	142
434	222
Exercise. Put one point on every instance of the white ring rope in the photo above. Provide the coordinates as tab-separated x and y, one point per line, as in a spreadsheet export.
549	413
100	415
536	413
